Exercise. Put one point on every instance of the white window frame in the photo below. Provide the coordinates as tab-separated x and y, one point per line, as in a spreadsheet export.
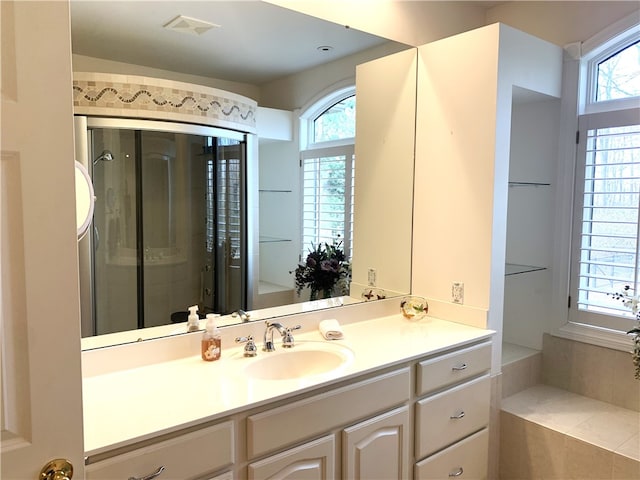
310	149
577	99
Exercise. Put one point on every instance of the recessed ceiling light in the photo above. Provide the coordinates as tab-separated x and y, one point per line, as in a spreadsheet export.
189	25
325	48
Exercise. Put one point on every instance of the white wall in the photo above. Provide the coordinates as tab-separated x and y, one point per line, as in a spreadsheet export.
414	22
462	164
530	219
562	22
83	63
302	89
386	90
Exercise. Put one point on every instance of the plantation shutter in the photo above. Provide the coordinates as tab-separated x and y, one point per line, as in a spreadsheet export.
607	216
327	197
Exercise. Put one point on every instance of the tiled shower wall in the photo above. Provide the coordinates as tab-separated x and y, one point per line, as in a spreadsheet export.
595	372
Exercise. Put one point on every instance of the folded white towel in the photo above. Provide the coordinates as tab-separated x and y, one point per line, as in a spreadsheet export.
331	329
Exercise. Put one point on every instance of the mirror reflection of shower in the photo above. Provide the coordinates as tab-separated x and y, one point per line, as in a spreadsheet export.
169	226
105	156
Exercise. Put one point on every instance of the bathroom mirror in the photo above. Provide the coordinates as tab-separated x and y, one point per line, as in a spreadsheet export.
248	27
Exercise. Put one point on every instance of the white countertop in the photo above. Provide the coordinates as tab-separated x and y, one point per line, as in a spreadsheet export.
134	404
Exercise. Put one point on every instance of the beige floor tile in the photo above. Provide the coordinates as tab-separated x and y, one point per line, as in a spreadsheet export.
552	407
584	461
512	446
625	468
557	355
630	448
626	390
542	458
592	371
609	429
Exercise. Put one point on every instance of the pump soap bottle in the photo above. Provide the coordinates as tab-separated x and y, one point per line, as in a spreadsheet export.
211	339
193	321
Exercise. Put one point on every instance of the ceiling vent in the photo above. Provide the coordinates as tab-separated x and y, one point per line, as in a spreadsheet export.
189	25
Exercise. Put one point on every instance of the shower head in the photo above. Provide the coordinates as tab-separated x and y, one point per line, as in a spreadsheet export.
105	156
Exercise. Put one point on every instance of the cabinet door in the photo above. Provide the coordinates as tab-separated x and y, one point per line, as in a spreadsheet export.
377	448
311	461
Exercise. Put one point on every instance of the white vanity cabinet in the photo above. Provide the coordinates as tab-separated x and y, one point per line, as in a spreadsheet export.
373	443
191	455
432	410
452	417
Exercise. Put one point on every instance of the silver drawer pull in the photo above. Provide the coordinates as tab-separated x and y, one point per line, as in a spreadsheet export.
457	415
457	473
457	368
149	477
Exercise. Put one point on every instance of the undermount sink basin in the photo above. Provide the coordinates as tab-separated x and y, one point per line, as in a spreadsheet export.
303	360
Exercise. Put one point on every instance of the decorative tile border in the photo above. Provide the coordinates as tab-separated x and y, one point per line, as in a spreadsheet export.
145	97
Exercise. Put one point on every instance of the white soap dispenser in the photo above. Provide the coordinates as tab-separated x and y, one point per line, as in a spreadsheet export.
193	321
211	339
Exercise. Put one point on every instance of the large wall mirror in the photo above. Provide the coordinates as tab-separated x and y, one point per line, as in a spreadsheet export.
244	46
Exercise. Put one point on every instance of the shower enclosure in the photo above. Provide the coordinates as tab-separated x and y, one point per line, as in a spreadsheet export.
169	227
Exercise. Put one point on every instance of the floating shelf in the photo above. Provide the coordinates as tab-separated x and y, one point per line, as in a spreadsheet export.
271	190
265	239
528	184
513	269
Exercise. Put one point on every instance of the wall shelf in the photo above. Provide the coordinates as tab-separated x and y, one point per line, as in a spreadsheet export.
272	190
514	269
528	184
267	239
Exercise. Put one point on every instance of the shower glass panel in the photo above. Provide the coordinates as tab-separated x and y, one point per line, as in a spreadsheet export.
169	227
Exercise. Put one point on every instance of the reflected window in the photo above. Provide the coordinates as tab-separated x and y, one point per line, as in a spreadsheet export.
327	171
338	122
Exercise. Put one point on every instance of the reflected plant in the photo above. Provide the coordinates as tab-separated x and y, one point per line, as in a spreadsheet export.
325	267
631	302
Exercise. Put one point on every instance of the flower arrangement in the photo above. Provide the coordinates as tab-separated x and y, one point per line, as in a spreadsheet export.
631	302
324	267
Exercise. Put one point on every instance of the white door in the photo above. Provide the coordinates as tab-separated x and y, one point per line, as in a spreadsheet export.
40	375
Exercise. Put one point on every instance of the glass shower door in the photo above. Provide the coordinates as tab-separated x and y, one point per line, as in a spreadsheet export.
114	232
169	227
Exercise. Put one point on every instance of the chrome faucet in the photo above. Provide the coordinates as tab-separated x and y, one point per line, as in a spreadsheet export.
244	316
285	333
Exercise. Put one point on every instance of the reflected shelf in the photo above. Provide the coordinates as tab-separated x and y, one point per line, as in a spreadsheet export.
266	239
529	184
514	269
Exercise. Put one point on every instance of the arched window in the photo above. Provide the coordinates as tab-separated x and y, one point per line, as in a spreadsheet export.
618	75
606	246
327	168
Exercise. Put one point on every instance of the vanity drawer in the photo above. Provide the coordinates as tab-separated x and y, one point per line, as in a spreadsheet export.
466	459
295	422
186	456
452	368
449	416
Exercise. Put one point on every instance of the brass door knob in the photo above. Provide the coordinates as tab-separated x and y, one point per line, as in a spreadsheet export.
58	469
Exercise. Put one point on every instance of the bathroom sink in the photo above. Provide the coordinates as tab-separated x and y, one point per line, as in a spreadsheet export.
303	360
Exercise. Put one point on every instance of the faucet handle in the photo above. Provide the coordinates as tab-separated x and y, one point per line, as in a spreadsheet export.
250	349
287	338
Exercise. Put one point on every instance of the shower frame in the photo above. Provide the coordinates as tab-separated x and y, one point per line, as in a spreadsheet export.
83	126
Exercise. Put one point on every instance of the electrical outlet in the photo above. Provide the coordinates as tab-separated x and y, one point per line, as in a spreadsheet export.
457	292
371	277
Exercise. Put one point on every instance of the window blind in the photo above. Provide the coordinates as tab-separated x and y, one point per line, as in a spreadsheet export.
609	240
327	197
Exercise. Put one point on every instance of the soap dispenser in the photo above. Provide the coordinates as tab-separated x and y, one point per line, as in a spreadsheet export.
211	339
193	321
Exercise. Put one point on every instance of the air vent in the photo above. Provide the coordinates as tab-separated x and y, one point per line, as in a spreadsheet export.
190	25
